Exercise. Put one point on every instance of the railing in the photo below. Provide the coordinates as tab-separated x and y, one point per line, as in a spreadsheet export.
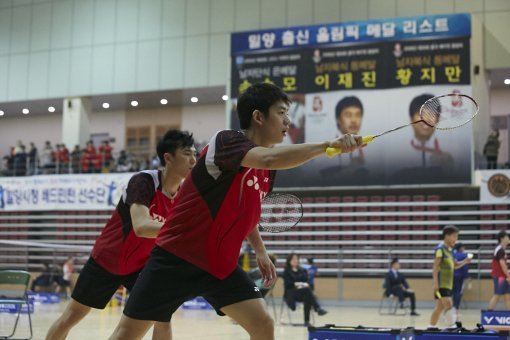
366	234
75	165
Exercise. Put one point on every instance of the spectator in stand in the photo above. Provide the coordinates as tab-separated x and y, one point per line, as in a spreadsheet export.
32	159
63	158
491	149
20	160
65	152
75	159
9	162
89	159
64	283
124	163
47	160
144	164
155	163
105	151
18	147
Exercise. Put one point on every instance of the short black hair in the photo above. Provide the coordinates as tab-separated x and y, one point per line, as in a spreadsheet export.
289	258
450	229
346	102
501	235
393	261
417	102
172	140
458	245
260	96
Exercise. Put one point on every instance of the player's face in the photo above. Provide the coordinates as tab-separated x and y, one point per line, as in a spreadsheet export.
451	239
183	161
422	131
504	241
276	124
294	261
349	120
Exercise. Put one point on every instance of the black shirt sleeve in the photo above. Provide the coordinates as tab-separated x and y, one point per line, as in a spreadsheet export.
140	190
500	254
231	147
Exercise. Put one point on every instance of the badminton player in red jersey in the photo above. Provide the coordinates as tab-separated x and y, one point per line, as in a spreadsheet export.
219	206
125	243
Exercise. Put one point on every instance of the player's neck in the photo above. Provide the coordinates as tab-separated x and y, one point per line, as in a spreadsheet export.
170	183
256	137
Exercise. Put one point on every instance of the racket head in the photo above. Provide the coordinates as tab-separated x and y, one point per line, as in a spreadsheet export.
449	111
280	212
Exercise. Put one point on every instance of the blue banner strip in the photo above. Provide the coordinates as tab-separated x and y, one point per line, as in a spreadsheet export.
430	26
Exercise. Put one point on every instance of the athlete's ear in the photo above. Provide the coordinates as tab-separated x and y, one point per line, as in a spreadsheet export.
168	157
257	117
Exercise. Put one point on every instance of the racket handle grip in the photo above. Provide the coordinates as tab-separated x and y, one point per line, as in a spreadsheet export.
331	152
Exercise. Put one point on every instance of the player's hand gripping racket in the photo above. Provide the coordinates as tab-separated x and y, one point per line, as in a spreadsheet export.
444	112
280	212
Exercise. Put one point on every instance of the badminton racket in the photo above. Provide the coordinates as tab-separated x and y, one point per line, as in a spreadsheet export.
444	112
280	212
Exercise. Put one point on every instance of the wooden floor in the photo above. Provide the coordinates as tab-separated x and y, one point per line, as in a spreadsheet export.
196	324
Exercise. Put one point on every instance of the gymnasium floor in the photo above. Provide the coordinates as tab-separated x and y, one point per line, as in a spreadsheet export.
193	324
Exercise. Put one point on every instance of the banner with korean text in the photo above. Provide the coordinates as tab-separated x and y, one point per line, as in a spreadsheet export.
365	78
62	192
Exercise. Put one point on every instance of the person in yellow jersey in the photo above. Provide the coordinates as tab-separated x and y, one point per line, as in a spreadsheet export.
442	276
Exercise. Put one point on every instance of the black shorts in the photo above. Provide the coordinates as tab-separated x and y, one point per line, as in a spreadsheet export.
167	281
96	286
444	293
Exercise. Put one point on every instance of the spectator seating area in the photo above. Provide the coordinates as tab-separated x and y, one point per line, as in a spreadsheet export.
346	235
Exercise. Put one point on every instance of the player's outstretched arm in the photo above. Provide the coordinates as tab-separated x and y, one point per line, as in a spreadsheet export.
143	223
291	156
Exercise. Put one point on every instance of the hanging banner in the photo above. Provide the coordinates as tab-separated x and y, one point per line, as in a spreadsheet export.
62	192
365	78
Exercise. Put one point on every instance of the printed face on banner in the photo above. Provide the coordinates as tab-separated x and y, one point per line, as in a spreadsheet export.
422	131
348	118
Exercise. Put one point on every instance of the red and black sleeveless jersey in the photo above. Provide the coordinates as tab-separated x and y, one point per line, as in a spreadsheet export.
218	206
118	250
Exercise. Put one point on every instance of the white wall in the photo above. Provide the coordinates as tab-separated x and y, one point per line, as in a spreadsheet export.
40	128
54	48
500	106
203	120
500	101
111	122
36	128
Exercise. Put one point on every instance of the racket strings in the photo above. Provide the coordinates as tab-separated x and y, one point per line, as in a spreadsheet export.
431	112
449	111
280	212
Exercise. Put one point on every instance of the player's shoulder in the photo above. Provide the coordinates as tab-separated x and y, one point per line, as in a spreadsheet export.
440	246
147	176
500	250
229	135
